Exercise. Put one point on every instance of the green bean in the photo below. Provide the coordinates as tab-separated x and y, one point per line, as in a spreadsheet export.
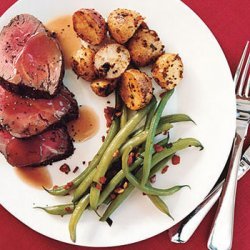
178	145
119	139
160	165
76	215
149	117
84	186
117	202
135	141
124	116
120	176
61	190
160	204
167	119
59	209
141	137
151	135
145	189
176	118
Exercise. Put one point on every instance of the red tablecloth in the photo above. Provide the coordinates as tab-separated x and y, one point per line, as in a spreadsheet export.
229	21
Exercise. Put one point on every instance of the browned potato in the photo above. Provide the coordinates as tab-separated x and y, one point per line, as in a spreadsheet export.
168	70
83	64
123	23
135	89
103	87
89	26
111	61
145	47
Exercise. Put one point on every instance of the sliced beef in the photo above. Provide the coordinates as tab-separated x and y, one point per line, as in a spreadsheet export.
31	62
25	117
52	145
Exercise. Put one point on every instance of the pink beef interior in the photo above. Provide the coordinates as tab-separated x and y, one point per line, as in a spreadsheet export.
25	117
42	149
29	56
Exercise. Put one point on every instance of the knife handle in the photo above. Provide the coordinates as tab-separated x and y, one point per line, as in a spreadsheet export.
221	235
182	231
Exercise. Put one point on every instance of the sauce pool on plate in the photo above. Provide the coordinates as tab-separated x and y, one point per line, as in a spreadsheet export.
37	177
66	36
86	126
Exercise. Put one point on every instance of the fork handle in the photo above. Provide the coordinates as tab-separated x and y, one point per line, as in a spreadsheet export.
221	235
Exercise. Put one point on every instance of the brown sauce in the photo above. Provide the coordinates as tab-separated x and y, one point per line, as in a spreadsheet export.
67	38
37	177
86	126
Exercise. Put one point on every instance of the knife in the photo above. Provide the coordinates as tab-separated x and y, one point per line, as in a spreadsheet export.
182	231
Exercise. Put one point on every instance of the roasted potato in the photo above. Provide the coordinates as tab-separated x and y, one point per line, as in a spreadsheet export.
123	23
103	87
83	64
111	61
135	89
168	70
145	47
90	26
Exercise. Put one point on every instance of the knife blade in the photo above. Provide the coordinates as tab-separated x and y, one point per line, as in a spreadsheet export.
182	231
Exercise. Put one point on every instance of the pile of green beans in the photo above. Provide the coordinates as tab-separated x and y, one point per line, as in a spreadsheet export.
92	188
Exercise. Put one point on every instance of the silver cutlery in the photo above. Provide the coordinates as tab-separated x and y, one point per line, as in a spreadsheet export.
182	231
221	235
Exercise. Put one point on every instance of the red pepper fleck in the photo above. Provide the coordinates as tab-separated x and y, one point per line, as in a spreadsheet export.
75	169
131	158
137	155
65	168
162	94
164	170
158	148
109	115
152	179
68	185
103	138
68	209
176	159
102	179
55	187
118	113
113	196
165	132
98	186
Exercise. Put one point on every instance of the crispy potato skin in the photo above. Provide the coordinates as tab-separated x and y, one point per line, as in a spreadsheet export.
145	47
122	24
111	61
103	87
83	64
168	71
90	26
135	89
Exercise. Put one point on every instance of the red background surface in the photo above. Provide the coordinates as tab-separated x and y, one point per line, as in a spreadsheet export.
229	21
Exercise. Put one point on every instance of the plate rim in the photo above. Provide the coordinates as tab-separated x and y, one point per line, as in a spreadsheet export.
198	18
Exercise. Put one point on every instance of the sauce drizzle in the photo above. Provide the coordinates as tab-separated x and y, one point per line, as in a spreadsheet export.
66	36
37	177
86	126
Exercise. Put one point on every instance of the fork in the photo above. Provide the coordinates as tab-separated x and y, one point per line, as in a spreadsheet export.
221	235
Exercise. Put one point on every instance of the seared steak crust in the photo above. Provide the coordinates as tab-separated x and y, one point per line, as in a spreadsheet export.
52	145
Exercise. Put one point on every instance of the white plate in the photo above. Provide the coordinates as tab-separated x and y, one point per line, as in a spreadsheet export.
206	94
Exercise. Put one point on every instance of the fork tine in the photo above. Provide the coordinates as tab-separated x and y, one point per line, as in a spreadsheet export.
247	87
238	70
243	77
